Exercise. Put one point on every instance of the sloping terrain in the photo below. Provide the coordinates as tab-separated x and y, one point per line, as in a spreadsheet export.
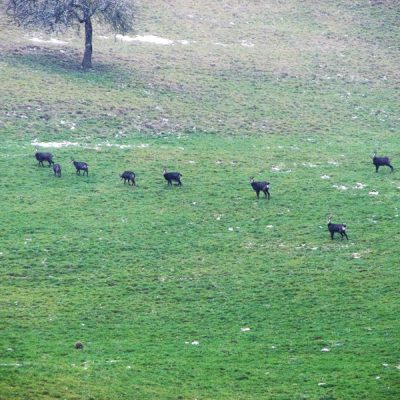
203	291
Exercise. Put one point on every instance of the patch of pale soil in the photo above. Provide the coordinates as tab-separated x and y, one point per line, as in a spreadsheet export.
246	43
65	143
359	185
145	39
56	145
340	187
10	365
50	41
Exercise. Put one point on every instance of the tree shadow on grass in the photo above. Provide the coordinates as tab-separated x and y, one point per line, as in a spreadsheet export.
67	62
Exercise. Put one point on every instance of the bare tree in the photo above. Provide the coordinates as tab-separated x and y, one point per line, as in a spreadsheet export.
54	15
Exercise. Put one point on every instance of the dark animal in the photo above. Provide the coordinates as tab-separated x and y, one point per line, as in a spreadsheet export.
57	170
79	345
381	161
260	187
173	176
44	157
128	176
337	228
81	166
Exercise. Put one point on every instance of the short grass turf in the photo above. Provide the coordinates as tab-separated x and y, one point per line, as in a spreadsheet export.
203	291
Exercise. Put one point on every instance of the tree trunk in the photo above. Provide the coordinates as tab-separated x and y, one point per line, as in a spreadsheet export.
87	56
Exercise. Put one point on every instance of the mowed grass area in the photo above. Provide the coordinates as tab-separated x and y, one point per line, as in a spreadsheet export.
203	291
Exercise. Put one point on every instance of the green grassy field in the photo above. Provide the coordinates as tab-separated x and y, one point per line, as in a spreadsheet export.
203	291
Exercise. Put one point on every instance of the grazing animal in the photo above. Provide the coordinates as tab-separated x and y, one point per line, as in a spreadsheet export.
260	187
380	162
81	166
173	176
337	228
128	176
44	157
57	170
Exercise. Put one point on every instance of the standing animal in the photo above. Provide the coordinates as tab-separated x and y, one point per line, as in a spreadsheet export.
57	170
172	176
44	157
336	228
128	176
81	166
258	187
380	162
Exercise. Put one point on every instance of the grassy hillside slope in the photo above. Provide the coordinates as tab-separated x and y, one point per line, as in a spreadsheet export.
203	291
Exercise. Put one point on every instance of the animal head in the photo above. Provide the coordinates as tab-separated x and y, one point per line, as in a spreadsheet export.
329	219
251	179
374	154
